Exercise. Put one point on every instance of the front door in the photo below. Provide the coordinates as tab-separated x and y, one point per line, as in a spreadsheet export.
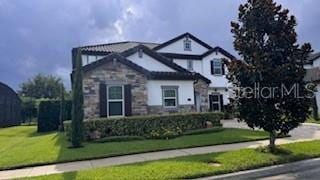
115	100
216	102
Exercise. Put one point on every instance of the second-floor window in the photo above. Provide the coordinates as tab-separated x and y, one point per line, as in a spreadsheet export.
190	65
216	67
187	45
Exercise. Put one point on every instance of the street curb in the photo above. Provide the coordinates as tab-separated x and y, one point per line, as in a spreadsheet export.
259	171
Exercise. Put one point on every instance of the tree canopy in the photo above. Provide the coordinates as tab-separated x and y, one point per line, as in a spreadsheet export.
42	86
271	92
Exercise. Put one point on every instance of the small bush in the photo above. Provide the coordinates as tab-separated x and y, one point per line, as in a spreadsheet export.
147	126
119	139
28	109
203	131
49	113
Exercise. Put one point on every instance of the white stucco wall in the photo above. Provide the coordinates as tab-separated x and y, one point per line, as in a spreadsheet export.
308	66
178	47
88	59
316	63
185	91
149	63
197	64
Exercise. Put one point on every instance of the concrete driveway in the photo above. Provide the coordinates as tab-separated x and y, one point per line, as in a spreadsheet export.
304	131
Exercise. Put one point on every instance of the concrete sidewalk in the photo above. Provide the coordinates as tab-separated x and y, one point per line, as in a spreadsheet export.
82	165
303	133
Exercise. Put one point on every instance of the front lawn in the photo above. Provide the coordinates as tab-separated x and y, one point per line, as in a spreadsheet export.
199	165
312	120
23	146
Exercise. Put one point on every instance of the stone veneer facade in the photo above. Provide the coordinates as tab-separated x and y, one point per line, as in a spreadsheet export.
114	73
202	88
120	74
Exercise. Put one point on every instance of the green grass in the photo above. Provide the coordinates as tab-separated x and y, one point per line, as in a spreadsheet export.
198	165
312	120
22	146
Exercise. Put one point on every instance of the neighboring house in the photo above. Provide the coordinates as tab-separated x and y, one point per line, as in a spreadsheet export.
9	107
183	74
313	74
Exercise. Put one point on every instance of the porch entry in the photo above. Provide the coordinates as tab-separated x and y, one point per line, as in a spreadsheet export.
216	102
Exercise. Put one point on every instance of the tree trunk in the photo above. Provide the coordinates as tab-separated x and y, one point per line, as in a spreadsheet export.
272	140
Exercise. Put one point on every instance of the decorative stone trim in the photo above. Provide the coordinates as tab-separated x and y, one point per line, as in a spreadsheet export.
114	73
202	88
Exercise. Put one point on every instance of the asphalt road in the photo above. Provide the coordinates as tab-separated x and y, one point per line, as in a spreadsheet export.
302	170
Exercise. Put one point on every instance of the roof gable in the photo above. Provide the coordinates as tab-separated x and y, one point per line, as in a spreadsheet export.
155	56
119	58
181	37
220	50
149	74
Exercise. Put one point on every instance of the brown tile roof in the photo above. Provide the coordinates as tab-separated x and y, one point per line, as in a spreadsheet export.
115	47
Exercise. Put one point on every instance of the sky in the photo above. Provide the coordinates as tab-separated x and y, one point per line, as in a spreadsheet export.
36	36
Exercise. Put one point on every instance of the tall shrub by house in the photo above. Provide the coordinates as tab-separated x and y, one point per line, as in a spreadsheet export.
271	65
77	103
62	114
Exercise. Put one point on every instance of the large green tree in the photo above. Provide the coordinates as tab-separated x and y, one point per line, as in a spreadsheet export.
77	103
270	90
41	86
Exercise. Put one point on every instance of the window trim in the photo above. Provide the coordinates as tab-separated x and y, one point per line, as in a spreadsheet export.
213	67
185	42
175	88
115	100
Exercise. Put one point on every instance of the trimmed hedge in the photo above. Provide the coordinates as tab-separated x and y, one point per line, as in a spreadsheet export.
49	113
147	126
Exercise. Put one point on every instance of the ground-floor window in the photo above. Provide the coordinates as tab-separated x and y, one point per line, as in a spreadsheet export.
216	102
170	97
115	100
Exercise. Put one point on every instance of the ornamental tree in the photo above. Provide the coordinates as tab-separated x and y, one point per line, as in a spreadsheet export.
77	104
270	91
62	115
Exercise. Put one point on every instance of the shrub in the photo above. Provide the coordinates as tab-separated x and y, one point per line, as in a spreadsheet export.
148	126
165	133
49	113
119	139
28	109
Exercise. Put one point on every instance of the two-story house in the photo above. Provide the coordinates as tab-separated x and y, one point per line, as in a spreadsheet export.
313	74
128	78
